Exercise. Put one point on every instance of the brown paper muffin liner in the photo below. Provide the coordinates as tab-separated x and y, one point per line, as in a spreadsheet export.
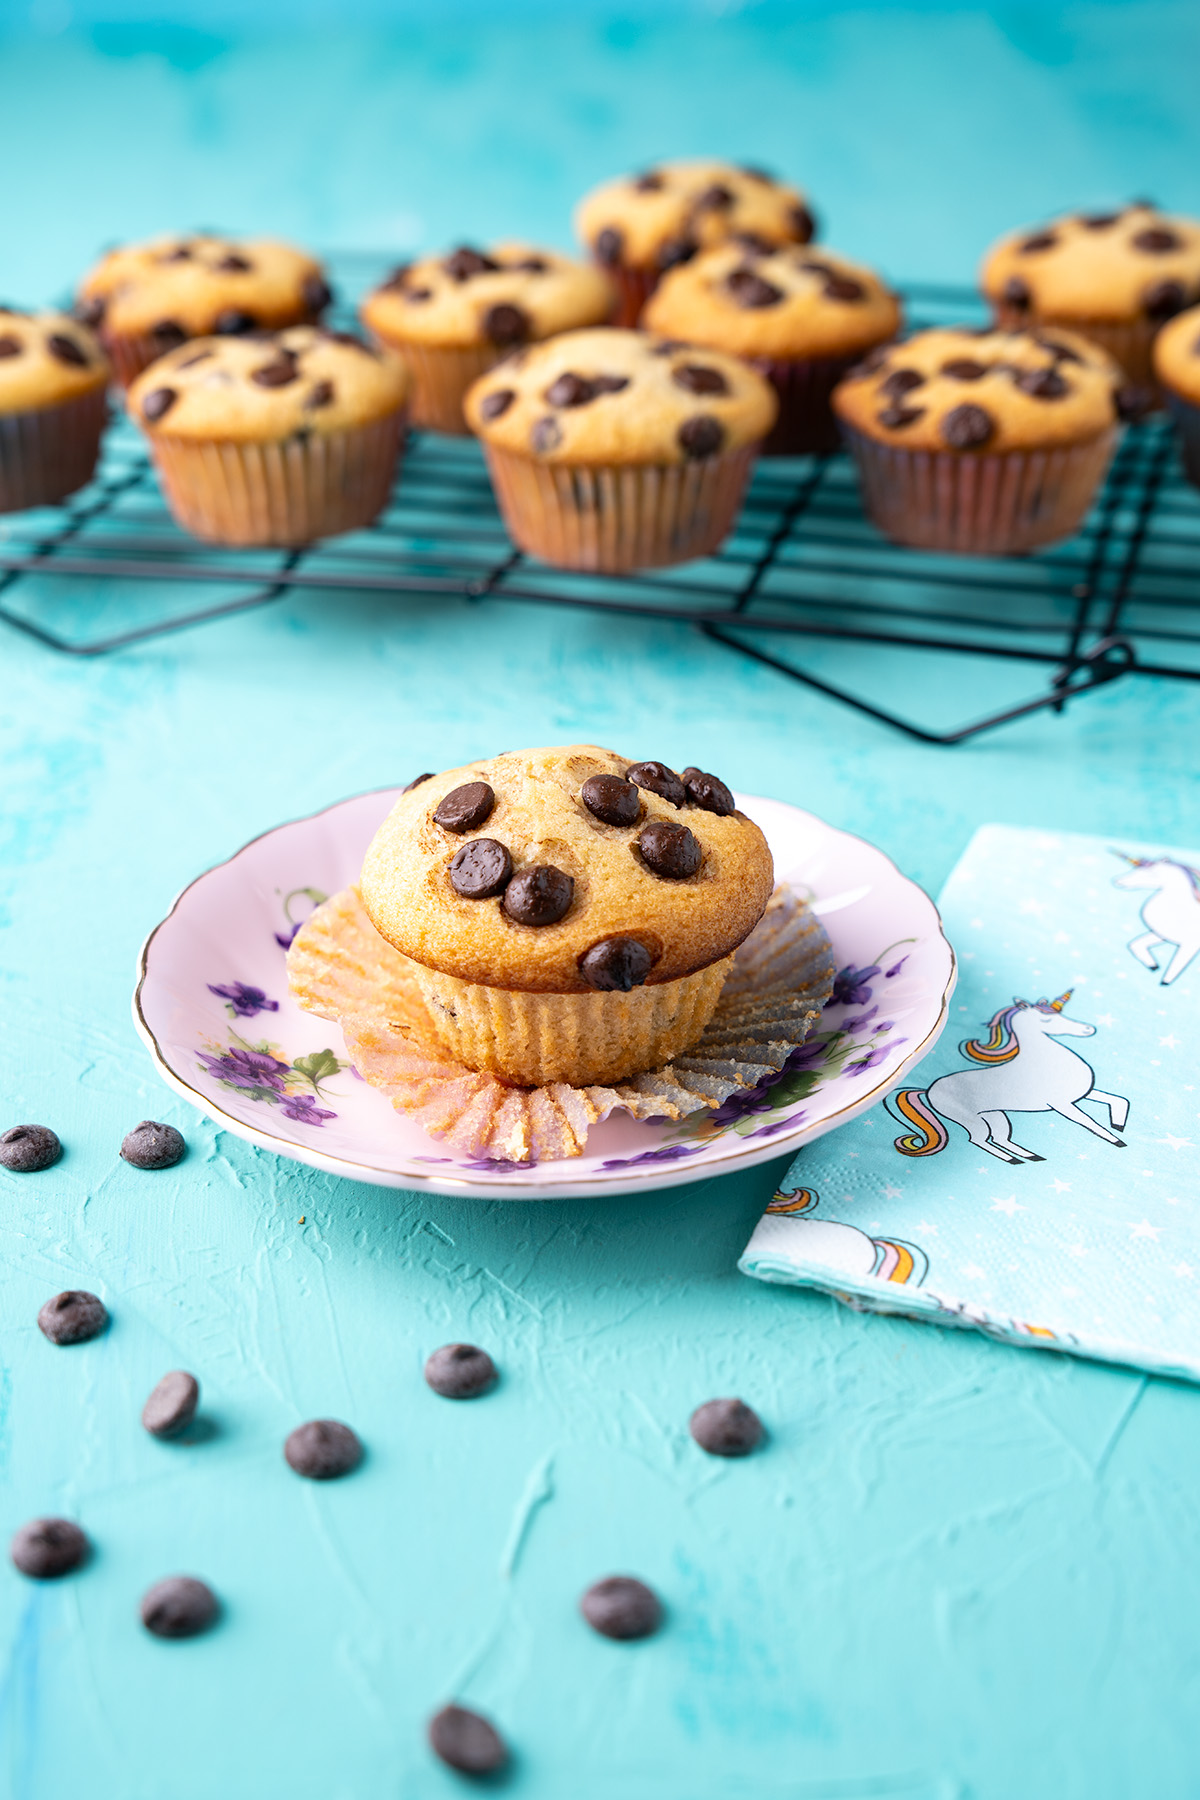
1130	342
340	968
634	287
1186	415
49	451
441	378
979	504
279	493
806	425
615	517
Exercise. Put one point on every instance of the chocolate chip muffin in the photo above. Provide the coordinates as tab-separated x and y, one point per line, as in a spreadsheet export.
801	318
1115	276
570	915
988	442
53	377
453	317
614	450
1177	367
146	299
639	226
276	437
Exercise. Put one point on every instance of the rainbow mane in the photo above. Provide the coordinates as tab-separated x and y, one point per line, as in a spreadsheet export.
1193	875
999	1045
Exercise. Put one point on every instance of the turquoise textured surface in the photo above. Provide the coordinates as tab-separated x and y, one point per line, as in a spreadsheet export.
956	1572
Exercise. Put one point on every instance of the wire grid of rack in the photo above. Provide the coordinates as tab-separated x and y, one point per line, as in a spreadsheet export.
109	569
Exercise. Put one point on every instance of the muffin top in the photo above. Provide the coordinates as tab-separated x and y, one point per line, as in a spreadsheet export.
982	390
1120	265
184	287
268	385
788	302
664	215
46	358
510	294
550	871
1177	355
613	396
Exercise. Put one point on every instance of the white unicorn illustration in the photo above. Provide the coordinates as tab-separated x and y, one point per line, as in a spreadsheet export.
784	1227
1171	913
1025	1070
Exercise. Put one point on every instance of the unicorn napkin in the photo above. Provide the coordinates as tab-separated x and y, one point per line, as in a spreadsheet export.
1042	1184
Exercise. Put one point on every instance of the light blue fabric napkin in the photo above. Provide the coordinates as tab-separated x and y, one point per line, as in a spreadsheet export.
1038	1176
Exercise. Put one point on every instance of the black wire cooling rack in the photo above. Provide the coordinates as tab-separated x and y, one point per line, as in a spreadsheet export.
109	569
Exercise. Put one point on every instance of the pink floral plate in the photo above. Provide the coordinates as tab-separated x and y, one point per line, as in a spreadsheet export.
212	1005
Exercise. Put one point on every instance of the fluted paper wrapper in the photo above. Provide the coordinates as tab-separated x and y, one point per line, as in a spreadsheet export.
441	378
48	452
1130	342
612	518
279	493
806	425
340	968
634	287
975	502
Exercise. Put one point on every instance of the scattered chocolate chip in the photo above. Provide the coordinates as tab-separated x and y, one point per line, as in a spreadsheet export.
323	1450
461	1372
317	294
157	403
622	1607
1041	240
168	334
751	290
1164	299
656	778
1156	241
896	417
466	1741
844	287
320	395
608	246
234	321
701	436
72	1317
611	798
189	362
89	311
726	1428
531	265
649	183
546	435
416	782
803	224
465	808
464	262
616	964
609	384
1098	221
152	1146
179	1607
698	379
1063	352
48	1548
66	350
964	368
709	792
569	389
674	252
506	324
968	427
10	346
901	381
234	264
277	374
495	403
172	1405
481	869
669	851
1015	292
539	895
717	198
26	1148
1042	384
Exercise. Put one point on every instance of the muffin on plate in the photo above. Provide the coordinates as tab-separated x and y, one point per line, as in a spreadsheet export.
276	438
1177	366
639	226
1114	276
984	442
146	299
569	915
614	450
453	317
53	377
801	318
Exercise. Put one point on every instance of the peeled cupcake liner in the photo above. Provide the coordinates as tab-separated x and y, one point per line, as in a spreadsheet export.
1186	415
340	968
284	493
48	452
613	518
1130	342
979	503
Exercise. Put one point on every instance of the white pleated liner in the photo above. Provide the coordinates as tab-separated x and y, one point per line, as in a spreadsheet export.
48	452
340	968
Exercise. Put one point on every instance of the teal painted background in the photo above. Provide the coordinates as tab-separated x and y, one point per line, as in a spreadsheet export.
960	1571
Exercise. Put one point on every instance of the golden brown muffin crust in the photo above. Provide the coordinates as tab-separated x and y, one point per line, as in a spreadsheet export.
46	358
1133	263
509	294
199	284
1177	355
540	818
660	217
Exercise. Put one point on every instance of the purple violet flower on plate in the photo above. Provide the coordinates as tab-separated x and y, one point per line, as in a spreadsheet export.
244	1002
